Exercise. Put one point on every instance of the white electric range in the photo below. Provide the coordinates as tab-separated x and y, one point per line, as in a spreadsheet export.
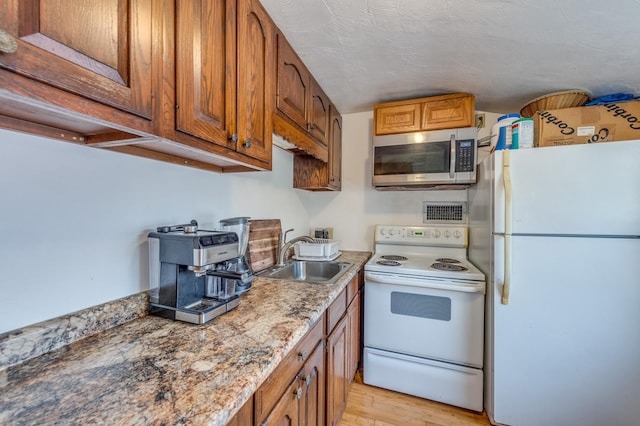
424	315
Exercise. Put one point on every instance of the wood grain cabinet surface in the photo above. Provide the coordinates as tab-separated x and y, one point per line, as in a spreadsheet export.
424	114
343	348
244	417
319	114
217	100
302	109
314	175
190	83
311	385
302	401
79	72
290	374
337	371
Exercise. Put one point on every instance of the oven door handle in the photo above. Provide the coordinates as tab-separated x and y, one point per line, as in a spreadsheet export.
425	283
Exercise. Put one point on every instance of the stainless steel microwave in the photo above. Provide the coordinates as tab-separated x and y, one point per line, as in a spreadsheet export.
425	159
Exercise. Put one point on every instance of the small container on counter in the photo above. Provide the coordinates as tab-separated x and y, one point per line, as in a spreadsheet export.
522	133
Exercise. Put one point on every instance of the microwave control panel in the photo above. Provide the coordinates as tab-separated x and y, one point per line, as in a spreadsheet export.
465	155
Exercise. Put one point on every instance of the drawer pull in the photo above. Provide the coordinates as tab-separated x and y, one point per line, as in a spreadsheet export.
302	356
298	393
247	144
306	380
8	43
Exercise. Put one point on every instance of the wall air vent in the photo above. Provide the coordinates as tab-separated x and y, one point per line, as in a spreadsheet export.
444	212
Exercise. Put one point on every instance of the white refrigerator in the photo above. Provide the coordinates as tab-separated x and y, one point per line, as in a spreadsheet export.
556	230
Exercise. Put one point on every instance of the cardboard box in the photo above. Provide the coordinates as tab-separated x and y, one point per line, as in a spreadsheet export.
591	124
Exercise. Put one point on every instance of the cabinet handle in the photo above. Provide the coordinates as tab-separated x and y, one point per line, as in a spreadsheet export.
233	138
310	126
247	144
306	380
298	393
8	43
302	356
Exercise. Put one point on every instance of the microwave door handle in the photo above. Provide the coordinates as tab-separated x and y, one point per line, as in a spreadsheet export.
453	156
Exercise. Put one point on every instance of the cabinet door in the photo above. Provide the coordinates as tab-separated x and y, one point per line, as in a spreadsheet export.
448	111
294	81
397	118
205	69
337	380
353	319
287	410
318	124
256	80
335	150
313	381
244	417
101	50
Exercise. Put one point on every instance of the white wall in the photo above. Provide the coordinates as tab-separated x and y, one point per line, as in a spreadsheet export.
74	219
355	210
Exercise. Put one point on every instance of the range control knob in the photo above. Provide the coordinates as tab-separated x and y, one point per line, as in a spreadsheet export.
383	231
392	232
456	233
447	233
435	233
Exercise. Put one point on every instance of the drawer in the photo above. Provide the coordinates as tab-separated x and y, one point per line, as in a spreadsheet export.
336	310
271	390
352	289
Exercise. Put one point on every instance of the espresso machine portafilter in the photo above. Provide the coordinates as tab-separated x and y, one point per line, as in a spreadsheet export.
185	280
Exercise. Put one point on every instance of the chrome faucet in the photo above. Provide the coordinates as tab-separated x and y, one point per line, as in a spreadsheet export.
286	246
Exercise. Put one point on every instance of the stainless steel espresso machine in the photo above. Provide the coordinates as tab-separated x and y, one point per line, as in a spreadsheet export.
186	282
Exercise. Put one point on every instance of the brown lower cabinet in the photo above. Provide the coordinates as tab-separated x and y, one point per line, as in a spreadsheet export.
244	417
303	401
310	386
337	367
343	355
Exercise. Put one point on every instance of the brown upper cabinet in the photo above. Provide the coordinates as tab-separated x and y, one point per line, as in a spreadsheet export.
302	108
219	109
77	72
319	114
102	53
422	114
190	83
314	175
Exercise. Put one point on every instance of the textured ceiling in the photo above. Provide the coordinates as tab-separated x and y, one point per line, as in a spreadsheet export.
505	52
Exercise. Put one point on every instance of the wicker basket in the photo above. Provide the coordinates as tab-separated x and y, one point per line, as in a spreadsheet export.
557	100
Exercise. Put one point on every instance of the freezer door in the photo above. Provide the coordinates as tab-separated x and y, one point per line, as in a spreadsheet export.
591	189
565	350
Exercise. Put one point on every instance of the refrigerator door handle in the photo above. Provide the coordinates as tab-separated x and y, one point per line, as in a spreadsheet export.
506	177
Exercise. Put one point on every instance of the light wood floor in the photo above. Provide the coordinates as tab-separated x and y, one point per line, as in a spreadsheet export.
371	406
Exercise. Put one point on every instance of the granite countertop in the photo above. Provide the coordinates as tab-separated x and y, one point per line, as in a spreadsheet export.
158	371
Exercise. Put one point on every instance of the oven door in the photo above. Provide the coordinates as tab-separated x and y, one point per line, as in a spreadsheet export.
424	318
437	157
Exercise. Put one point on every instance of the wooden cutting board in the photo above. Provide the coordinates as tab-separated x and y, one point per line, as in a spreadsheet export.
263	243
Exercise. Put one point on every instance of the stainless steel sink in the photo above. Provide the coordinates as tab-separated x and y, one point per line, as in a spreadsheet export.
311	272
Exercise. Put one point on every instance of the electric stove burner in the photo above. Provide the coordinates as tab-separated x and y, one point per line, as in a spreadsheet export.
447	260
448	267
393	257
388	263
